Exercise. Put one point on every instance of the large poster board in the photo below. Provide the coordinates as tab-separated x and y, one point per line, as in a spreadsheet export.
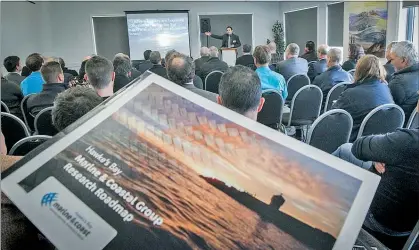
159	167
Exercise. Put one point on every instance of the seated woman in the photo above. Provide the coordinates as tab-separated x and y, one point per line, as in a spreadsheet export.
368	91
355	53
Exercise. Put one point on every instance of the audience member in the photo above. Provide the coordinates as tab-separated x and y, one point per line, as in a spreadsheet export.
334	73
405	81
205	56
355	53
13	66
33	83
157	68
100	75
389	67
54	84
241	91
146	65
134	72
292	65
11	96
214	63
275	59
181	70
268	78
320	66
197	81
368	91
122	68
65	69
246	59
310	52
72	104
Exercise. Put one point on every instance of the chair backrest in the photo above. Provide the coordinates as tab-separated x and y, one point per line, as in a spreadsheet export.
295	83
412	242
330	130
13	129
306	104
26	145
271	113
352	72
43	123
381	120
212	80
27	116
311	62
413	121
334	94
4	108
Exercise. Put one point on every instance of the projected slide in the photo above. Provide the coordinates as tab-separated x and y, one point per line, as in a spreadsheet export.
158	32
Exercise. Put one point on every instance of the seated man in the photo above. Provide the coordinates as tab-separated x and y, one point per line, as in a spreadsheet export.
334	73
390	69
122	68
33	83
72	104
310	52
157	68
214	63
205	56
12	97
320	66
146	65
241	91
101	76
269	79
197	81
54	84
246	59
181	70
394	210
13	66
67	70
292	65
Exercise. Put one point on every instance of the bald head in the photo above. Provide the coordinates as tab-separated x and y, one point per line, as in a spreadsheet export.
213	51
204	51
181	69
322	51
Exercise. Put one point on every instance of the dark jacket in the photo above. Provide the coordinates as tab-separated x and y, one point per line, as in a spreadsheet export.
213	64
209	95
330	78
317	68
390	69
362	97
234	40
144	66
245	60
120	82
44	99
310	56
12	97
200	61
70	71
14	77
396	201
292	66
135	73
404	86
197	82
159	70
349	65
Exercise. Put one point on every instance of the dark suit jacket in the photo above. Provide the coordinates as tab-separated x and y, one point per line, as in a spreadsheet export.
317	68
14	77
330	78
390	69
120	82
292	66
70	71
11	95
44	99
143	67
245	60
199	62
197	82
234	40
206	94
159	70
213	64
135	73
310	56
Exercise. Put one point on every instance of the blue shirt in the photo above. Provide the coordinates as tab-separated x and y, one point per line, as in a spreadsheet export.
272	80
32	84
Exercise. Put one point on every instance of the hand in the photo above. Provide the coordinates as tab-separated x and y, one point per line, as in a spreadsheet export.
207	33
380	167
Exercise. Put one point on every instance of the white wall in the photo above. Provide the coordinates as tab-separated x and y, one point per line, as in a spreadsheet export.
67	27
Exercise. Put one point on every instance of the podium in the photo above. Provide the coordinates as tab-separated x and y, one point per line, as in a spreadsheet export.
229	55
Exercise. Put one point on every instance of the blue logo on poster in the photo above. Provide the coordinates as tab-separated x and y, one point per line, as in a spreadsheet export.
48	198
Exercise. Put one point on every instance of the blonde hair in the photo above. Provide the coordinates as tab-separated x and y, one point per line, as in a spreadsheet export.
369	66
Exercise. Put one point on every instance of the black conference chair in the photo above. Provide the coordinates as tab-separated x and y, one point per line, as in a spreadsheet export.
13	129
381	120
4	108
27	116
413	121
212	80
26	145
330	130
295	83
271	113
43	123
334	94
